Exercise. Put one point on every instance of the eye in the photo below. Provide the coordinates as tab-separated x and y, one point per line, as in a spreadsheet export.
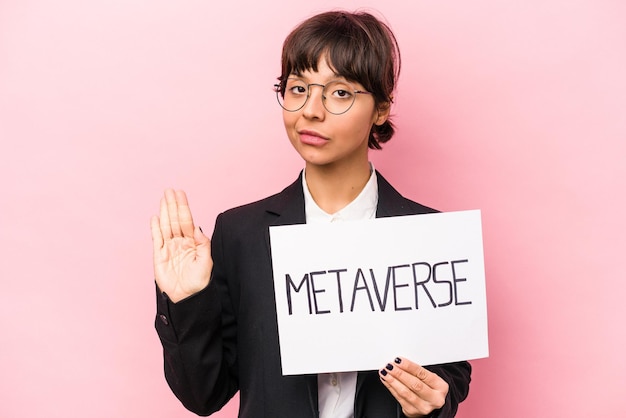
295	87
340	91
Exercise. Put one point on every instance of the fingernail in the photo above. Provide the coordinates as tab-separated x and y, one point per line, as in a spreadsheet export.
389	366
383	372
200	229
397	360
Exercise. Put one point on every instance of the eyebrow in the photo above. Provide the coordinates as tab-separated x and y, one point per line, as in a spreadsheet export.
334	77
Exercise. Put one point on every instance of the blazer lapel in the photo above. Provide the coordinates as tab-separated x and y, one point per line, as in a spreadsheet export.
390	202
288	205
287	208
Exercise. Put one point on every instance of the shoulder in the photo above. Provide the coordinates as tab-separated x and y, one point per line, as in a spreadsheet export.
269	208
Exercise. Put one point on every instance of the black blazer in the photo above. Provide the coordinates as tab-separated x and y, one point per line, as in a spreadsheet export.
225	338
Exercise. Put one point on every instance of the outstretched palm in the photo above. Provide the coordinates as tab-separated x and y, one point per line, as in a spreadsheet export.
182	253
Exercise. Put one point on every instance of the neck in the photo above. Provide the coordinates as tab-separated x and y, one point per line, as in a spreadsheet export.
333	187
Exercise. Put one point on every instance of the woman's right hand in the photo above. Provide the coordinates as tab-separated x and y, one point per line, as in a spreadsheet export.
182	253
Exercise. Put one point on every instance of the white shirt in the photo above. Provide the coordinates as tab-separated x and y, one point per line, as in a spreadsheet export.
336	391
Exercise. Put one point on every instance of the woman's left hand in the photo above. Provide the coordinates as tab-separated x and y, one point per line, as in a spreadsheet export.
418	390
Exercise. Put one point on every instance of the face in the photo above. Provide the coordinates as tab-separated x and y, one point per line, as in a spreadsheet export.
322	138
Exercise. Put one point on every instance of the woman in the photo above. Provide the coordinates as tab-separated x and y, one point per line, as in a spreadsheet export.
215	300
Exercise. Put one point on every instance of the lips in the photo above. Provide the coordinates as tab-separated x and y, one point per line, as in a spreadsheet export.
312	138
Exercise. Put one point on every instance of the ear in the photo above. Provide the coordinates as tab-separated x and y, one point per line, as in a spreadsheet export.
382	113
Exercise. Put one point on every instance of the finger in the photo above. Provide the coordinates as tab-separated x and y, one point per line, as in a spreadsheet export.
164	220
199	237
418	390
184	214
172	210
157	236
410	402
402	380
203	245
430	379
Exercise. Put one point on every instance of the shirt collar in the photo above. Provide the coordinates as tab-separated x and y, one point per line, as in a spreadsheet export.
362	207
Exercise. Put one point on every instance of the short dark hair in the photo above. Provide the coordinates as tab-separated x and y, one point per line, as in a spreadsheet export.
357	46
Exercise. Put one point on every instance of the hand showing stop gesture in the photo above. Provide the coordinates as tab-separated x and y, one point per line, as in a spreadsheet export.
182	253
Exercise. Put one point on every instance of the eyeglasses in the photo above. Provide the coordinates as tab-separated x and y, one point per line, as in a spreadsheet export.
338	96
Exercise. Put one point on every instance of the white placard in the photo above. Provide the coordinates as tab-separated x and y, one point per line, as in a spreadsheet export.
354	295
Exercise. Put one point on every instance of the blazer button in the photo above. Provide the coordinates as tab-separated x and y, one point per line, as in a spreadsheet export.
163	319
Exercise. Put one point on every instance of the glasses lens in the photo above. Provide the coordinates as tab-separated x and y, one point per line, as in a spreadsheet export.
338	96
294	96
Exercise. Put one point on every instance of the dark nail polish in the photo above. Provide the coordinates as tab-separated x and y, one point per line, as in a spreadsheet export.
383	372
389	367
201	229
397	360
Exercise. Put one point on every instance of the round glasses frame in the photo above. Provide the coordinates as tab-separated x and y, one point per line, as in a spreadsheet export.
350	89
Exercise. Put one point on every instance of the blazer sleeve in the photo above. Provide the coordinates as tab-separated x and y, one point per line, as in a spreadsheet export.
198	335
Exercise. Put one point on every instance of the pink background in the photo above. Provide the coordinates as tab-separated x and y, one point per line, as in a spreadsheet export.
516	108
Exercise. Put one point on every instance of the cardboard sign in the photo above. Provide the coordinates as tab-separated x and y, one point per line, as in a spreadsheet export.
354	295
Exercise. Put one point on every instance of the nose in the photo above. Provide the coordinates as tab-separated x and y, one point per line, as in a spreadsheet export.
314	106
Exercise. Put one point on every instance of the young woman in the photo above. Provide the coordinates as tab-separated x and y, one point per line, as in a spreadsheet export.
216	314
